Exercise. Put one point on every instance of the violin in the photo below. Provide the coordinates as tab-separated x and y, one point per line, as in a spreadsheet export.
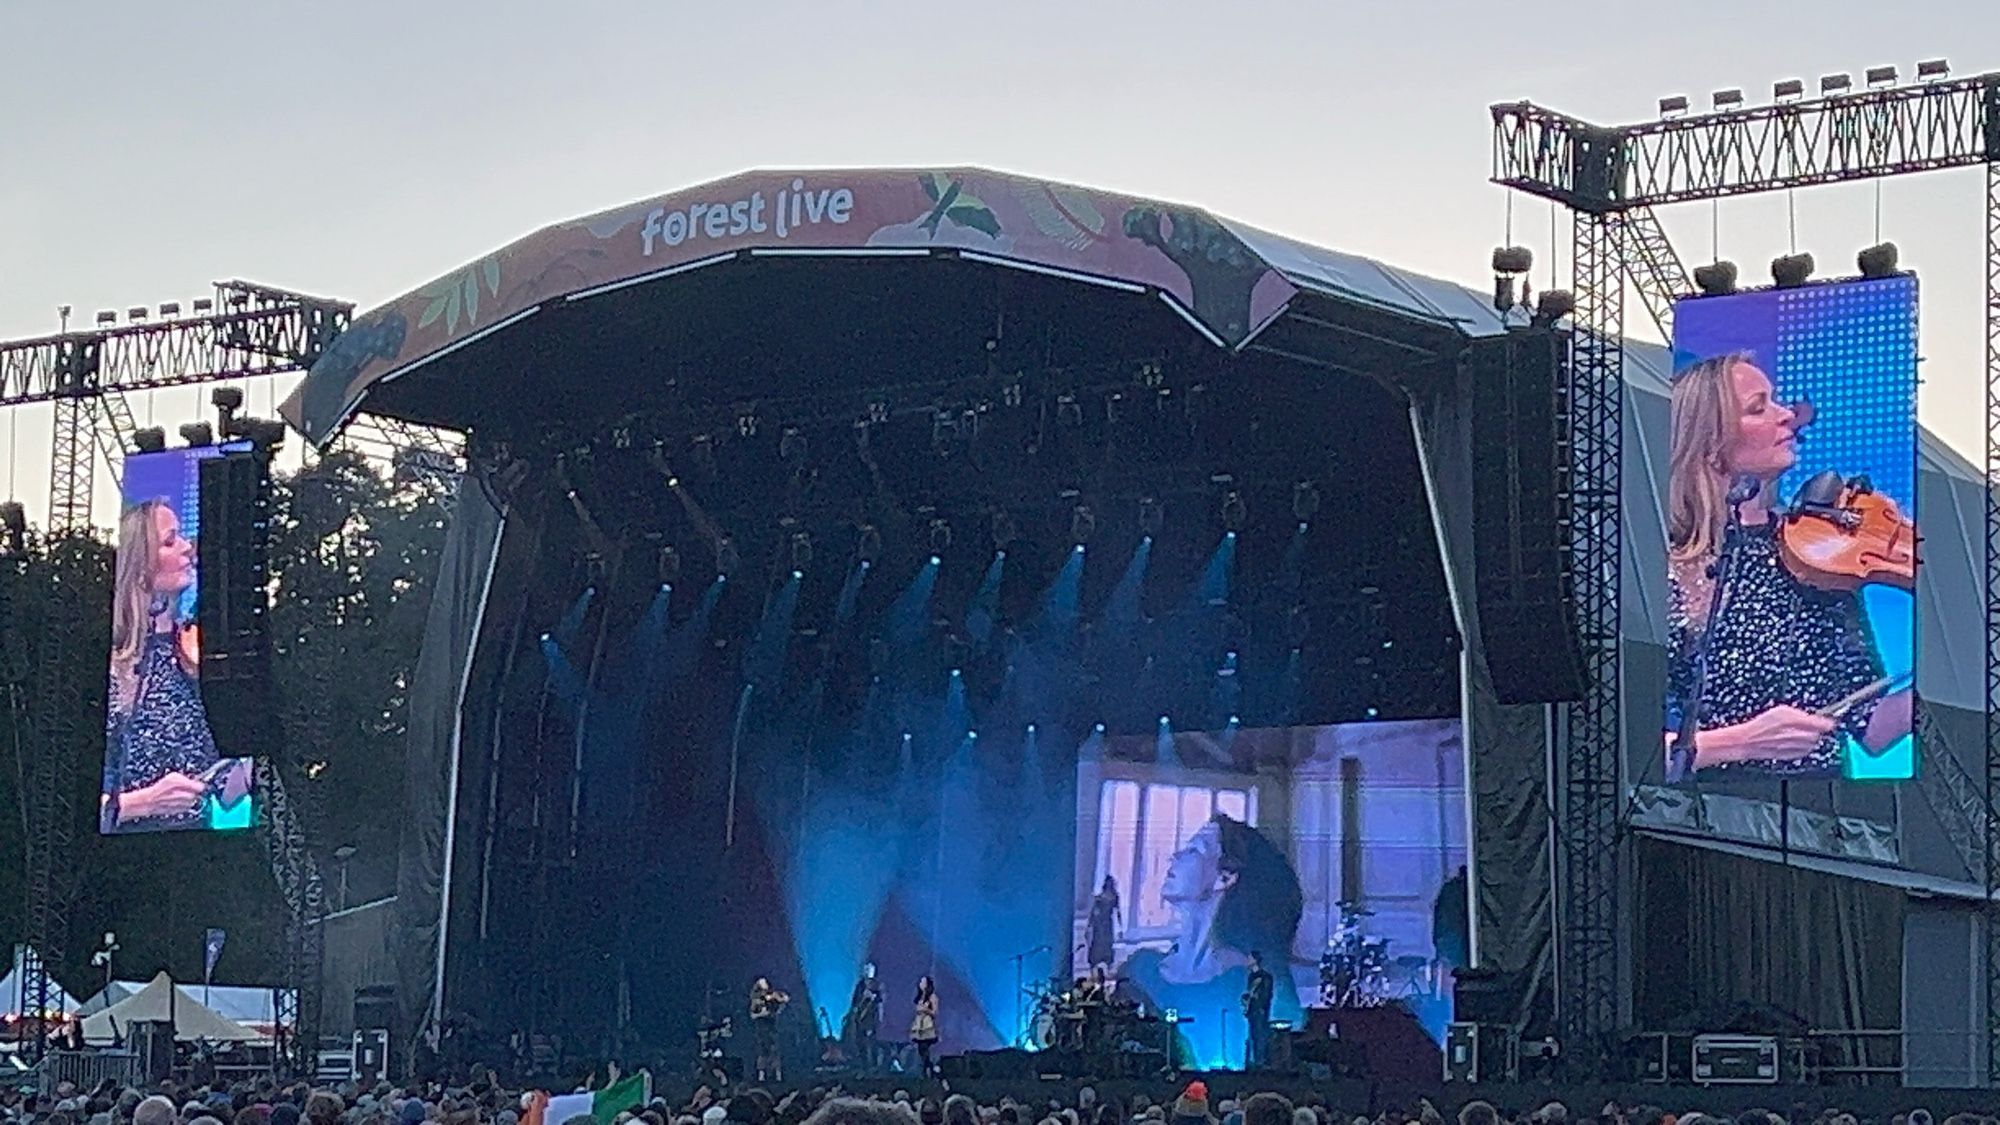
1840	534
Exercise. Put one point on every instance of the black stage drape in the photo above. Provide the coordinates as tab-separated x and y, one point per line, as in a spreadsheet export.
1716	933
436	694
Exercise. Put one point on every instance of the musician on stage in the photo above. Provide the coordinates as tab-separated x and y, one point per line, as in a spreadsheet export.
924	1024
1257	1012
864	1018
1784	653
765	1004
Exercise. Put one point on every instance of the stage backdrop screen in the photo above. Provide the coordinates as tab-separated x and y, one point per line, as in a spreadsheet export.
1790	630
1338	853
162	770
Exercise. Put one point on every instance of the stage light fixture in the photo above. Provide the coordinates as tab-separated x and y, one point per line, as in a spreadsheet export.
792	445
1879	76
1788	90
1004	529
1069	412
170	308
1234	511
746	424
1831	84
136	314
1715	278
1726	99
668	565
197	433
1152	517
1298	626
940	537
1673	105
1932	69
1513	259
1504	297
701	457
1790	271
226	399
1082	524
107	316
868	545
728	560
1878	261
802	551
149	439
204	305
1305	500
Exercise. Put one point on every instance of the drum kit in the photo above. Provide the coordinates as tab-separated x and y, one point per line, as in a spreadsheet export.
1066	1016
1356	971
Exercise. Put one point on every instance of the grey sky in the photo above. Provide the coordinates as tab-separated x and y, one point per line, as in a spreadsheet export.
357	149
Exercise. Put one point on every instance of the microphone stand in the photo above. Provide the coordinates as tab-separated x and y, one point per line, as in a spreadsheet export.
1021	993
1722	574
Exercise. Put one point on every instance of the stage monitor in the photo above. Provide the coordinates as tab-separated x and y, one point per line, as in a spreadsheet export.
162	768
1790	506
1336	853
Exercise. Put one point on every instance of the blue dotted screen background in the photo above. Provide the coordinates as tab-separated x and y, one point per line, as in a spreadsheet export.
1849	348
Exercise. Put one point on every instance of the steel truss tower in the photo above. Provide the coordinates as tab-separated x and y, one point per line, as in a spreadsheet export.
244	330
1612	177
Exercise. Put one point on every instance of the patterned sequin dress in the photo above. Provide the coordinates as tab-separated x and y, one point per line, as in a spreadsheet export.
165	730
1779	641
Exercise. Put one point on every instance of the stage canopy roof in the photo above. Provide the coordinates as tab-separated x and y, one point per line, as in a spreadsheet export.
157	1001
1229	280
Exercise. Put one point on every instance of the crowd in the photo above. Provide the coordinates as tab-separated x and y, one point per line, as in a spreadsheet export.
270	1103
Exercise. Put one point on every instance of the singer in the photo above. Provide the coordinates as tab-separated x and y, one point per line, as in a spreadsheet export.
1771	670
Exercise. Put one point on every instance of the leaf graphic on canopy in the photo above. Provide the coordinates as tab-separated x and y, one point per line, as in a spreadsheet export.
492	268
471	297
931	187
451	305
976	217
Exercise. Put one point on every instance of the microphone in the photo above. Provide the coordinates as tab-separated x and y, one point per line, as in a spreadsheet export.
1803	413
1744	489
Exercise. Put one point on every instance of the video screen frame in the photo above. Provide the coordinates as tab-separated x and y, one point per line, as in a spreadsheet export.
1791	519
162	769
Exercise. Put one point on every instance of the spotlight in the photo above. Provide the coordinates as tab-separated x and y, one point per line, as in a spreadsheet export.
1031	728
1069	412
1791	270
1726	99
197	433
1235	721
1673	105
792	445
1298	626
1877	261
1099	728
107	316
669	565
1152	517
802	552
940	537
1004	529
1835	84
1878	76
1305	500
1234	511
701	457
868	547
1552	306
228	400
728	560
13	526
1931	69
1716	278
1163	721
1788	90
150	439
1082	524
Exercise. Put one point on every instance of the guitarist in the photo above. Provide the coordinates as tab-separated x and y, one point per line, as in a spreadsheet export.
1257	1011
864	1018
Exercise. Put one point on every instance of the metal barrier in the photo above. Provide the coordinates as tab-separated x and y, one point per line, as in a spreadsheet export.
85	1069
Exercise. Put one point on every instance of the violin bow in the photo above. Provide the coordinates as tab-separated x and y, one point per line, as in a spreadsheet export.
1862	695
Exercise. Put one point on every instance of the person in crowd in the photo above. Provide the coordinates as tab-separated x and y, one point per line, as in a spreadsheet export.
1790	666
1191	1108
161	763
1269	1109
924	1024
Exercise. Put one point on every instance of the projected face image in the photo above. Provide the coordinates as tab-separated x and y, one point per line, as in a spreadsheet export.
1790	534
162	770
1194	873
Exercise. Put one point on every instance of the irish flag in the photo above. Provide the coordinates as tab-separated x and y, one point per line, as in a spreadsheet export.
604	1105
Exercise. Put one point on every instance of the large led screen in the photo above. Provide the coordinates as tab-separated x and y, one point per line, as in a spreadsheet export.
1336	855
1791	536
162	769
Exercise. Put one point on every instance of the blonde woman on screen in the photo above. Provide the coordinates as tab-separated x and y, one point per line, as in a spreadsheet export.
1784	656
161	762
